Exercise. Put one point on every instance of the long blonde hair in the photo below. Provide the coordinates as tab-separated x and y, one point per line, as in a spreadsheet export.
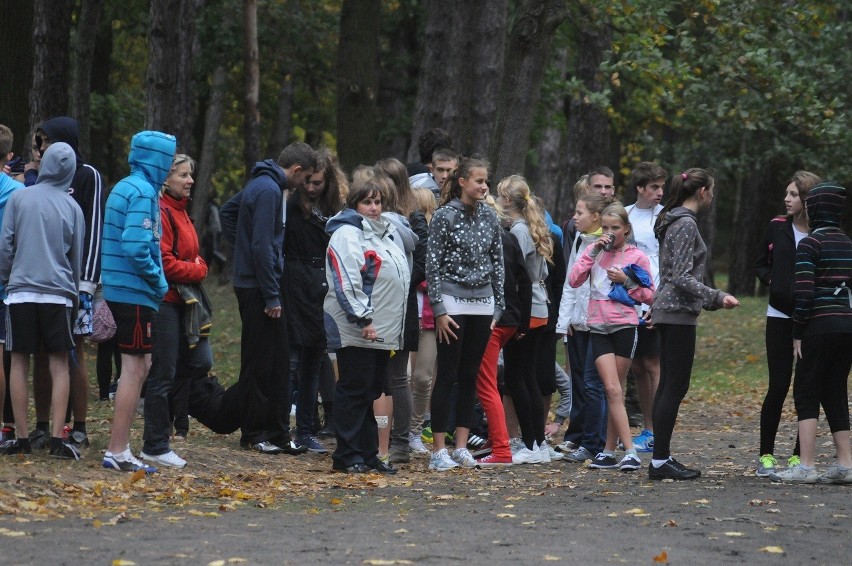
425	201
516	191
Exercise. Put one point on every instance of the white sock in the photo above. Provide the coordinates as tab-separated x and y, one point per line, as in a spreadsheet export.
659	463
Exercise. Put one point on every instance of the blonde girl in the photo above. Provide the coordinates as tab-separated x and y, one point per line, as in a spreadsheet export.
529	227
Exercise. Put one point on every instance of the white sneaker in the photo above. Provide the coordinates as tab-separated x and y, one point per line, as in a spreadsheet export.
796	474
441	461
516	444
554	455
567	447
169	459
416	446
463	458
526	456
542	452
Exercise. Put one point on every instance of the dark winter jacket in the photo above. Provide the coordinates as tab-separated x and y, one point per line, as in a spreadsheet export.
304	283
555	281
517	287
683	261
411	332
253	220
87	190
822	292
775	264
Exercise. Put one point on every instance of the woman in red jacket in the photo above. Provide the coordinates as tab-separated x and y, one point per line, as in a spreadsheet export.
180	352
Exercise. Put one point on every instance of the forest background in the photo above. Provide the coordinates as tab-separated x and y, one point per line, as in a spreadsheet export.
750	89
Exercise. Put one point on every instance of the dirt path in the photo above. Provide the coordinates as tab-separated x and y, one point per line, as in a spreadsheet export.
239	506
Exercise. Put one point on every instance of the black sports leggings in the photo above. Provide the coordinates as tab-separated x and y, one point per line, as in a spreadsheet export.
522	384
822	379
677	351
779	362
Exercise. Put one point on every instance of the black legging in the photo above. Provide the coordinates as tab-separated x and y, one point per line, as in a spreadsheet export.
107	355
458	362
822	379
677	351
522	385
779	362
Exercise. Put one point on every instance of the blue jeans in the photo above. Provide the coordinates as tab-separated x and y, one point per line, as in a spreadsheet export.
590	432
171	360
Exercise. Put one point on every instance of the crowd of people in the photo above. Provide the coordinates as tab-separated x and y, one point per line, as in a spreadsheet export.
412	303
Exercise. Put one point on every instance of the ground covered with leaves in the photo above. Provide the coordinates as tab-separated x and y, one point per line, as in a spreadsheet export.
234	505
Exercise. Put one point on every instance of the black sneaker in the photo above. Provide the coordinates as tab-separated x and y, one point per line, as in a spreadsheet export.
604	461
672	470
39	439
384	468
16	446
78	439
63	450
353	469
293	448
264	447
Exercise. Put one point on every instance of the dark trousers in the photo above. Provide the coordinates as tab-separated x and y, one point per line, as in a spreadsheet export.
779	362
264	372
304	371
590	428
171	360
677	352
458	363
519	357
361	378
822	379
108	355
214	406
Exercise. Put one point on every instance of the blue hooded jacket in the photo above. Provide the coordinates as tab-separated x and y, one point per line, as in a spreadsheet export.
132	270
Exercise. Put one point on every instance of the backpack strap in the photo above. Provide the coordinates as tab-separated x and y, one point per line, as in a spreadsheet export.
174	232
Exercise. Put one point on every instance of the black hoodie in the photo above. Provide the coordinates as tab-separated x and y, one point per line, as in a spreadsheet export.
822	292
87	190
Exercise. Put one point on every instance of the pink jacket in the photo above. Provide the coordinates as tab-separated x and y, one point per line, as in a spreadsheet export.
604	312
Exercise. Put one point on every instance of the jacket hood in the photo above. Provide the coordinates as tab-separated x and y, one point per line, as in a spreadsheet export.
423	180
825	205
403	230
58	165
63	129
670	217
346	217
269	168
151	154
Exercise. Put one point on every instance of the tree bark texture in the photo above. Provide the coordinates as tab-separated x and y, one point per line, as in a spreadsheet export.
358	83
16	45
588	135
51	40
460	76
283	122
207	161
169	97
546	176
251	110
747	220
526	58
81	78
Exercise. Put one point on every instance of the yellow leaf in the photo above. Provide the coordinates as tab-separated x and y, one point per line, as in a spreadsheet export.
635	511
122	562
551	558
136	476
506	515
7	533
772	549
662	557
733	534
216	563
97	524
382	562
336	501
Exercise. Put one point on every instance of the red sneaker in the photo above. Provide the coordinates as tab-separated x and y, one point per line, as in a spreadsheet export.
494	460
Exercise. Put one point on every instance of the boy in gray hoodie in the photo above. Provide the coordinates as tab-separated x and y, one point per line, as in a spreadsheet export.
40	257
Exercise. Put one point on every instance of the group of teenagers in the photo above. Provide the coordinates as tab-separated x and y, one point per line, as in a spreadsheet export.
418	281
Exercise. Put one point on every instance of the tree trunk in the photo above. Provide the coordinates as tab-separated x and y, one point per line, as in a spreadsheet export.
16	46
588	135
102	152
169	106
485	64
251	110
281	135
749	229
81	78
51	40
207	161
358	83
439	71
546	177
527	54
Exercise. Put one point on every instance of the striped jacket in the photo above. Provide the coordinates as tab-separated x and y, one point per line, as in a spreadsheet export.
822	291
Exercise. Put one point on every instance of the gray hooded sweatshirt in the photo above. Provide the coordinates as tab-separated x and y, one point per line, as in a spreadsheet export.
42	238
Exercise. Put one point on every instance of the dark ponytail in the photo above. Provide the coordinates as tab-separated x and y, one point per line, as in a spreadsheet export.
683	186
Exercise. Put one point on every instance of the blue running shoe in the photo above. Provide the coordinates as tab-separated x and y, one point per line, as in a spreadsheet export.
126	462
644	442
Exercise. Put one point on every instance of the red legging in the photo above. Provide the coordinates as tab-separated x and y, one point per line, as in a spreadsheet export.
489	396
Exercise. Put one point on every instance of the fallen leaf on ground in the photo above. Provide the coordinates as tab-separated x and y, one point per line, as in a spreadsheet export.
551	558
662	557
772	549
